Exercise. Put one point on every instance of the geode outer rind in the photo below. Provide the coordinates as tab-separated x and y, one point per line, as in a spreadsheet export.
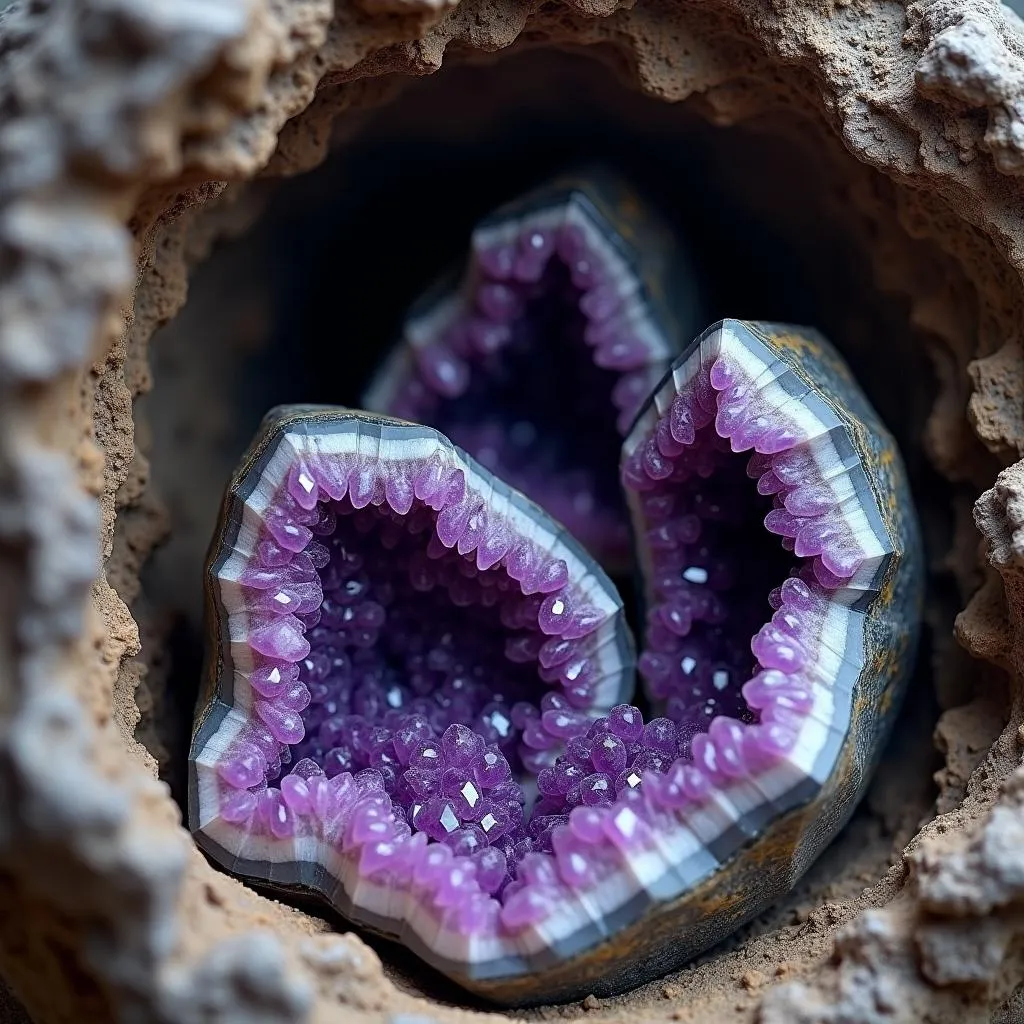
289	439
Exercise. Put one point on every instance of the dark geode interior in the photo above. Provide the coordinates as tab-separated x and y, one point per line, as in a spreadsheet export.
716	571
527	400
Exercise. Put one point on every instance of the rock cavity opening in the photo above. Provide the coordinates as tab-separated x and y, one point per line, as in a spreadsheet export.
307	303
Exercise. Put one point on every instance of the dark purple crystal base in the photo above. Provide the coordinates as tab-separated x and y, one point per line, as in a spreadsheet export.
537	363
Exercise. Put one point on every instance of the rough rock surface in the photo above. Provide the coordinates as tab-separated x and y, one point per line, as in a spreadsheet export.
129	130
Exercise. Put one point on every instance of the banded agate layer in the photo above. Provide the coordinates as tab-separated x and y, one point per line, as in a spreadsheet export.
536	358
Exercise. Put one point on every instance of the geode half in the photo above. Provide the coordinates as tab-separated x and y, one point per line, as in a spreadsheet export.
536	355
399	641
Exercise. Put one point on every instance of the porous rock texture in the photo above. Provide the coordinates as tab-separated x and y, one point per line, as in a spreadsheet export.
130	131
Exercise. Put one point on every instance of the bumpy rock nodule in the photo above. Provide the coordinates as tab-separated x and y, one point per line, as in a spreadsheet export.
537	357
417	689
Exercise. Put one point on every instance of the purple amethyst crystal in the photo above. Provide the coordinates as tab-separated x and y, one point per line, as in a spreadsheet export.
573	300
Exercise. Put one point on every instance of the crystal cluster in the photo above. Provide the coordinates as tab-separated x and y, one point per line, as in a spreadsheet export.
614	755
422	680
556	333
709	569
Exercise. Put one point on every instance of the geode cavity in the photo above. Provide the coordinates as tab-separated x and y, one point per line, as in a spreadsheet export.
783	578
536	357
399	641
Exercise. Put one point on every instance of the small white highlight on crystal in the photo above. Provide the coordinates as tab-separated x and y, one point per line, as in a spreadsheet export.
626	820
695	574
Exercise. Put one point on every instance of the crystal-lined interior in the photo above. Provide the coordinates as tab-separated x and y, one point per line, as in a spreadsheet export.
445	668
713	566
538	375
415	661
736	687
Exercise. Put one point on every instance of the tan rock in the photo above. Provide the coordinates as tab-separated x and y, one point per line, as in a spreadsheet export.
147	149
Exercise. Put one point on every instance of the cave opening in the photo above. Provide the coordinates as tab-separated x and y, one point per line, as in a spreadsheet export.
302	306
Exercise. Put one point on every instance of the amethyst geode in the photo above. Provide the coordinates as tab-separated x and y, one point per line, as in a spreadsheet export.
417	681
536	356
401	641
